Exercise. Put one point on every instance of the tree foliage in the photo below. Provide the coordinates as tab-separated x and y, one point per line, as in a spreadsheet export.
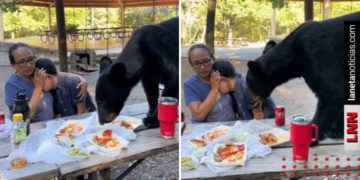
30	21
250	20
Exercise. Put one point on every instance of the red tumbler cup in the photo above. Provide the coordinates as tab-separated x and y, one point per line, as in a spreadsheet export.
167	115
301	137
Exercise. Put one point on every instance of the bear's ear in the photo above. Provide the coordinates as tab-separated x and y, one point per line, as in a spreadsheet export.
117	73
255	67
105	62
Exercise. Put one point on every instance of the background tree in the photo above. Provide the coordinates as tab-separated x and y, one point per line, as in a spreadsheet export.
249	21
210	24
32	21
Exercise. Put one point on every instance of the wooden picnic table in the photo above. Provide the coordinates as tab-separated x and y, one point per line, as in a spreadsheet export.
148	143
278	164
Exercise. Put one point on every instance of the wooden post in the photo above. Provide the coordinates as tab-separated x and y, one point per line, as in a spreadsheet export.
326	9
92	17
309	10
49	18
122	16
60	20
273	22
1	26
210	24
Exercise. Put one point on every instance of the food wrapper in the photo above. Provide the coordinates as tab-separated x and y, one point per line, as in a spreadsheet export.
41	146
123	143
124	133
274	137
188	161
213	134
236	160
127	122
89	125
256	127
253	149
242	132
196	151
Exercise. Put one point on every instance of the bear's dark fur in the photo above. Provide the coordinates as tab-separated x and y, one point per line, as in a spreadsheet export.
314	51
152	56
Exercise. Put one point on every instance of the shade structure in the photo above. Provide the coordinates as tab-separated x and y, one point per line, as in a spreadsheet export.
103	3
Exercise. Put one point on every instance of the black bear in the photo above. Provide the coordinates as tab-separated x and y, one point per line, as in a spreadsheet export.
152	56
314	51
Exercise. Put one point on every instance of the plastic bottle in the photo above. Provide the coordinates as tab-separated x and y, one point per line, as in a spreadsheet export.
21	106
18	130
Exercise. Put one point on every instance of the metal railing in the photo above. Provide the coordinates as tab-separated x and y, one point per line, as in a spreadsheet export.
89	34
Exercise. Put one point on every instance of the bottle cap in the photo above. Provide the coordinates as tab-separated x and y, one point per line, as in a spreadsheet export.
18	117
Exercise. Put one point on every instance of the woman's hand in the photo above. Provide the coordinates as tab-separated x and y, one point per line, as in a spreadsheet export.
83	88
82	85
257	111
214	80
39	77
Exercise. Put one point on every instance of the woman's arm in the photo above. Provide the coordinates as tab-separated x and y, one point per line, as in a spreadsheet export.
81	108
200	110
36	97
82	85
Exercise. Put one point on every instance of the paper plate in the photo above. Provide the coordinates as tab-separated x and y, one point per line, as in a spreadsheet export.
215	134
121	142
238	156
280	135
72	129
127	122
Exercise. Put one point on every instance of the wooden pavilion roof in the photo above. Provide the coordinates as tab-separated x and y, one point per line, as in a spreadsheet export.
103	3
330	0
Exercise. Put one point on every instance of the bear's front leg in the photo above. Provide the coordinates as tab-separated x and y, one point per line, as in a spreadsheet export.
152	120
337	128
151	89
328	112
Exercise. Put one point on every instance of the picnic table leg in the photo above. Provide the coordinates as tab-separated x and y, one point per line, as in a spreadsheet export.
105	173
93	176
131	167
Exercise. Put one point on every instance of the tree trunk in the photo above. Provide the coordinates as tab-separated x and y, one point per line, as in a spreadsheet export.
309	10
273	22
60	21
326	6
1	26
49	18
210	24
229	37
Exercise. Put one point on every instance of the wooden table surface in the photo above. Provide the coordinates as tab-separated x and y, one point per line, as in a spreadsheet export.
138	149
279	162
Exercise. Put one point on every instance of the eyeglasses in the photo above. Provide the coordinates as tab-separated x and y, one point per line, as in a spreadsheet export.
205	62
30	60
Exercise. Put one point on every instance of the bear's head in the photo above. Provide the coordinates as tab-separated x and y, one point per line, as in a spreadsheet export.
112	89
276	66
258	83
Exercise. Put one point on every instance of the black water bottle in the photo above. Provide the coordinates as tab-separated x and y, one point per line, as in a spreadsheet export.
21	106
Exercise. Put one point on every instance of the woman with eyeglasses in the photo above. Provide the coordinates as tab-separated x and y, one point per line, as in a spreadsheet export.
201	90
27	77
218	93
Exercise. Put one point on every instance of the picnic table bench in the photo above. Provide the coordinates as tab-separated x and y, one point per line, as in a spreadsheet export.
138	150
328	158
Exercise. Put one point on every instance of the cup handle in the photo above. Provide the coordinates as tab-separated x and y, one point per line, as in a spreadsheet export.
316	132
